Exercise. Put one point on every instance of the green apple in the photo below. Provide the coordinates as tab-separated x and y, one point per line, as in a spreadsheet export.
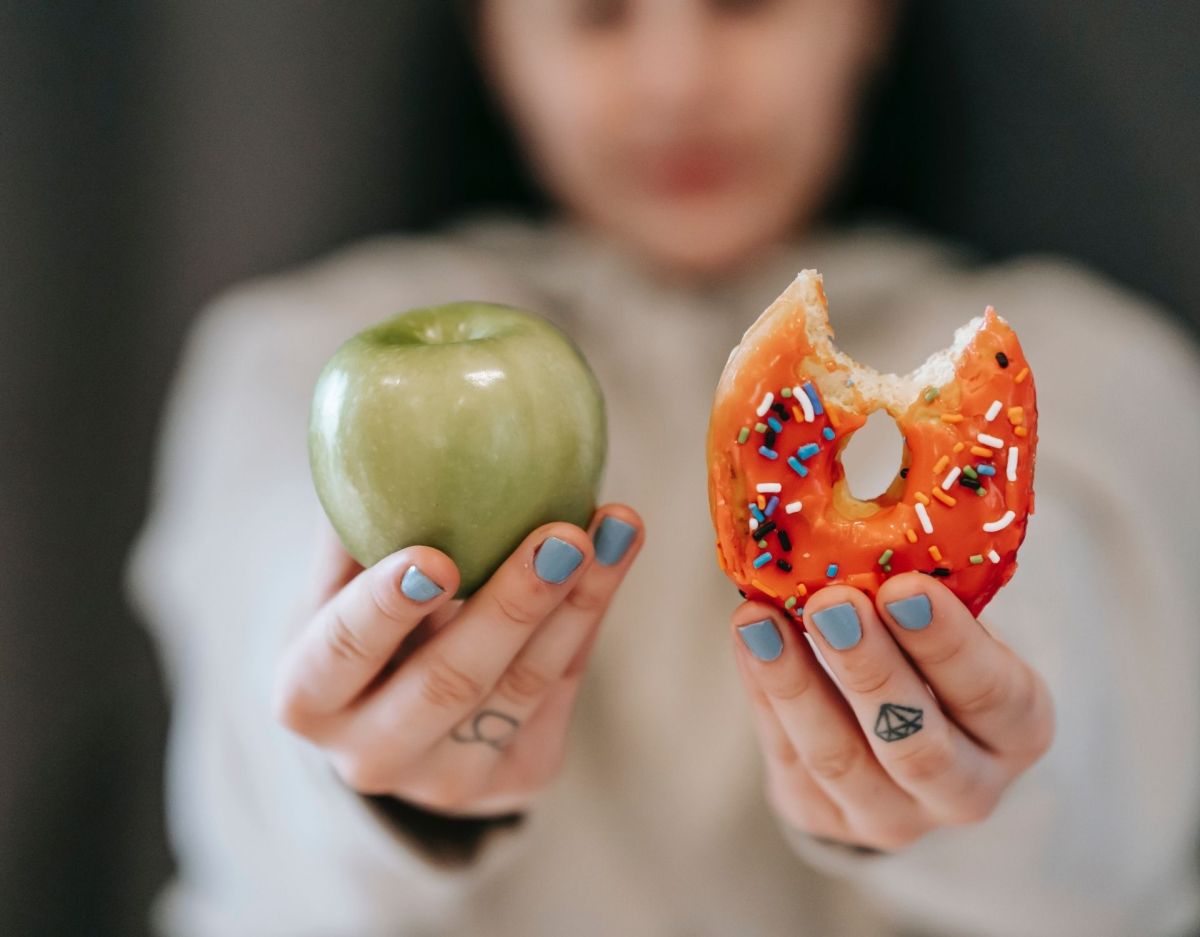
462	427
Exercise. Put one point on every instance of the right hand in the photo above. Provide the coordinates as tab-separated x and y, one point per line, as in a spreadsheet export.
459	707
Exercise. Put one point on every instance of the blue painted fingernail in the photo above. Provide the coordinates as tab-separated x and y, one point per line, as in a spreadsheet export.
840	625
913	613
419	587
762	638
556	560
612	539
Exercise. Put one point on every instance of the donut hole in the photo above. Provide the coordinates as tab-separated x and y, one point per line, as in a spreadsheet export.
873	456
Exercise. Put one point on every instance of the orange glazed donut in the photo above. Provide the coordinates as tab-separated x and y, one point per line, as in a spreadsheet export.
786	406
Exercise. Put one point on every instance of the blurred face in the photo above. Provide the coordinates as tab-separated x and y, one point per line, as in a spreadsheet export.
696	131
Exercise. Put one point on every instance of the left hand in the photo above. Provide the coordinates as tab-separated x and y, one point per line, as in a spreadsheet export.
934	719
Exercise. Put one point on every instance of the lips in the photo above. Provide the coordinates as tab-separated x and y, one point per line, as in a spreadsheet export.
688	171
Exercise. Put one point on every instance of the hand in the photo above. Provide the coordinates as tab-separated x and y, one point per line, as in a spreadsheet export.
459	707
934	720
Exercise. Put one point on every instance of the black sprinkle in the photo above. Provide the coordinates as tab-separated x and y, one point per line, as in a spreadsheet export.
969	483
1002	359
781	411
764	529
741	593
904	473
785	541
784	565
940	571
769	441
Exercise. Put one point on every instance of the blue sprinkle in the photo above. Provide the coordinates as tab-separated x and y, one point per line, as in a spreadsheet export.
827	433
762	560
832	570
769	453
772	505
758	515
774	424
985	469
797	467
808	451
812	395
798	612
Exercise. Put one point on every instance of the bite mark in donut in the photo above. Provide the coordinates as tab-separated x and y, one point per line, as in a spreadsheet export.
788	403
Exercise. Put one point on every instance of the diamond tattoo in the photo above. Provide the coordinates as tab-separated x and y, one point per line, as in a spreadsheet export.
897	722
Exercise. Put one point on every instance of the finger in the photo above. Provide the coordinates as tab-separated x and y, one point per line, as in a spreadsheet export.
820	726
616	533
981	684
922	750
448	676
354	634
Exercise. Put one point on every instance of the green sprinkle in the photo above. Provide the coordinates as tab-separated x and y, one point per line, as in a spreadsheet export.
931	394
790	603
887	568
885	557
977	559
980	491
743	434
760	427
786	392
970	472
762	544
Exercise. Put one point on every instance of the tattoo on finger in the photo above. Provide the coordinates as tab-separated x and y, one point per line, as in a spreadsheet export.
896	722
489	726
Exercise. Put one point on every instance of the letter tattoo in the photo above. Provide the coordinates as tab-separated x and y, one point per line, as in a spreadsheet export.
489	727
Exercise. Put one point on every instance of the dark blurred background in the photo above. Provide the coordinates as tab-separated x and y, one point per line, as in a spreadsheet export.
152	153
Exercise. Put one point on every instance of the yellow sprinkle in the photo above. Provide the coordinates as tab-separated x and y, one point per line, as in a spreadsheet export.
944	498
941	464
982	451
952	417
1021	431
761	587
909	535
802	590
797	414
1020	377
762	502
920	497
935	554
1016	415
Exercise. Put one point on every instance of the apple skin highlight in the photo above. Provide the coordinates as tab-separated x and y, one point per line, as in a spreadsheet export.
462	427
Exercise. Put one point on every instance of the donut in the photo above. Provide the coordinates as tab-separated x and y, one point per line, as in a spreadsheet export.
787	404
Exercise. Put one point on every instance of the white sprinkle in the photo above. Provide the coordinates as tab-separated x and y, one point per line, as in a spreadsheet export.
769	487
793	507
926	524
991	441
992	526
1012	463
993	556
754	523
766	404
993	410
951	478
805	403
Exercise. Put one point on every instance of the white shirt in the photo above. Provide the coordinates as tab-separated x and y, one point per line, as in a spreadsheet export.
658	824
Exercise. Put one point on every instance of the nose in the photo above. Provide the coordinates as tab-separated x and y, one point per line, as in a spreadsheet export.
671	67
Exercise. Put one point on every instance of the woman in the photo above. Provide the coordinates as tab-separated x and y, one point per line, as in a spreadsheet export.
330	772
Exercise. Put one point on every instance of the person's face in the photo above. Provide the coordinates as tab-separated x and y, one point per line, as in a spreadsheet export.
695	130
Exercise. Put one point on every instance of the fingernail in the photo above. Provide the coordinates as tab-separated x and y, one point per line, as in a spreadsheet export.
762	638
612	539
913	613
839	624
419	587
556	560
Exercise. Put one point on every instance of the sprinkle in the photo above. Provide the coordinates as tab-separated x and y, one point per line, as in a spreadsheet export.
967	470
941	464
831	570
767	528
762	587
768	487
793	507
993	410
982	452
944	498
762	502
1016	415
786	392
904	472
990	440
992	526
779	411
981	491
972	483
753	524
935	554
993	556
827	432
796	467
923	516
952	417
1021	431
976	559
774	424
762	560
930	394
760	427
805	403
1012	463
985	469
802	590
763	407
811	392
1002	359
950	478
921	496
887	568
784	565
798	612
1020	377
762	544
785	541
833	418
743	434
771	505
790	602
757	513
769	453
910	535
769	439
958	447
884	557
807	451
